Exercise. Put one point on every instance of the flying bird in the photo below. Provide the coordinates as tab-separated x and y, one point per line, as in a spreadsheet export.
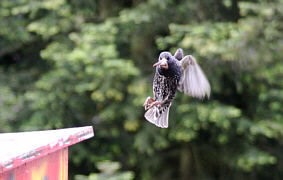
172	73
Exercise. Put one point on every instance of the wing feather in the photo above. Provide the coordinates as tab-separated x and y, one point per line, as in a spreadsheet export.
193	81
179	54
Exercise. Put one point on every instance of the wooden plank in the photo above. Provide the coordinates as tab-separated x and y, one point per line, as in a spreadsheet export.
52	166
19	148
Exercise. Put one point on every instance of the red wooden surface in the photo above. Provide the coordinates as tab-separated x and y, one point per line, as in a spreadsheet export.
40	155
53	166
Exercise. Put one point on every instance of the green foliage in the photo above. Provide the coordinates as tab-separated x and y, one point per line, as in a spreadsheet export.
108	172
254	158
75	63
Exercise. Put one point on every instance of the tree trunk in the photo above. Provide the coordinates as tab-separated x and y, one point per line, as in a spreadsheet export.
186	162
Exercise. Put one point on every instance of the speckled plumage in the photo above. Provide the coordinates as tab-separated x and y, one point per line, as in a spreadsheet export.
165	82
172	73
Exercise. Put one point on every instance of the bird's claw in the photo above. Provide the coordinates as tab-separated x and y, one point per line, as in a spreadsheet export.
147	103
150	102
155	103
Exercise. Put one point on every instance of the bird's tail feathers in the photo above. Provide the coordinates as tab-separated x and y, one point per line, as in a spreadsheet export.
154	116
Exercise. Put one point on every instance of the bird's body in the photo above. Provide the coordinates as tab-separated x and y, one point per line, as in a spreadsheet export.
165	84
172	73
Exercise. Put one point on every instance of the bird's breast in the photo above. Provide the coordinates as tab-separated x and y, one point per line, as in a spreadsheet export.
164	86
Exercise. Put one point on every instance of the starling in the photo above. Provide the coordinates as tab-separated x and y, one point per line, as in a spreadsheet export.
172	73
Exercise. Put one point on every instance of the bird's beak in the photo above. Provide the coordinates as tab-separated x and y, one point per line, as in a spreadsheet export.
163	63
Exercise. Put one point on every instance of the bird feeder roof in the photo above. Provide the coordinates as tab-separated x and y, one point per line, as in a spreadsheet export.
22	147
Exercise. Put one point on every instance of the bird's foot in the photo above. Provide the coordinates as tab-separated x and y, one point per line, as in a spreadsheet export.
147	102
155	103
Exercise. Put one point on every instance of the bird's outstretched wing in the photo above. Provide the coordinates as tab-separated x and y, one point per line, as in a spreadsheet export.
158	117
179	54
193	81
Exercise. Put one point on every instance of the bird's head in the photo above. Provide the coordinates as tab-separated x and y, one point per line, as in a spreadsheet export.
164	61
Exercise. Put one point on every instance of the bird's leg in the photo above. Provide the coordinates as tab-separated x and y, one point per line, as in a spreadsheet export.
155	103
147	102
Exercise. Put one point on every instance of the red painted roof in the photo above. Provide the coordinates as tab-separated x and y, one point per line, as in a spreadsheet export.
22	147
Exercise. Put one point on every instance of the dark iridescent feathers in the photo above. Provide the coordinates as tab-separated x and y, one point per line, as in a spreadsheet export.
174	72
165	85
179	54
173	69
